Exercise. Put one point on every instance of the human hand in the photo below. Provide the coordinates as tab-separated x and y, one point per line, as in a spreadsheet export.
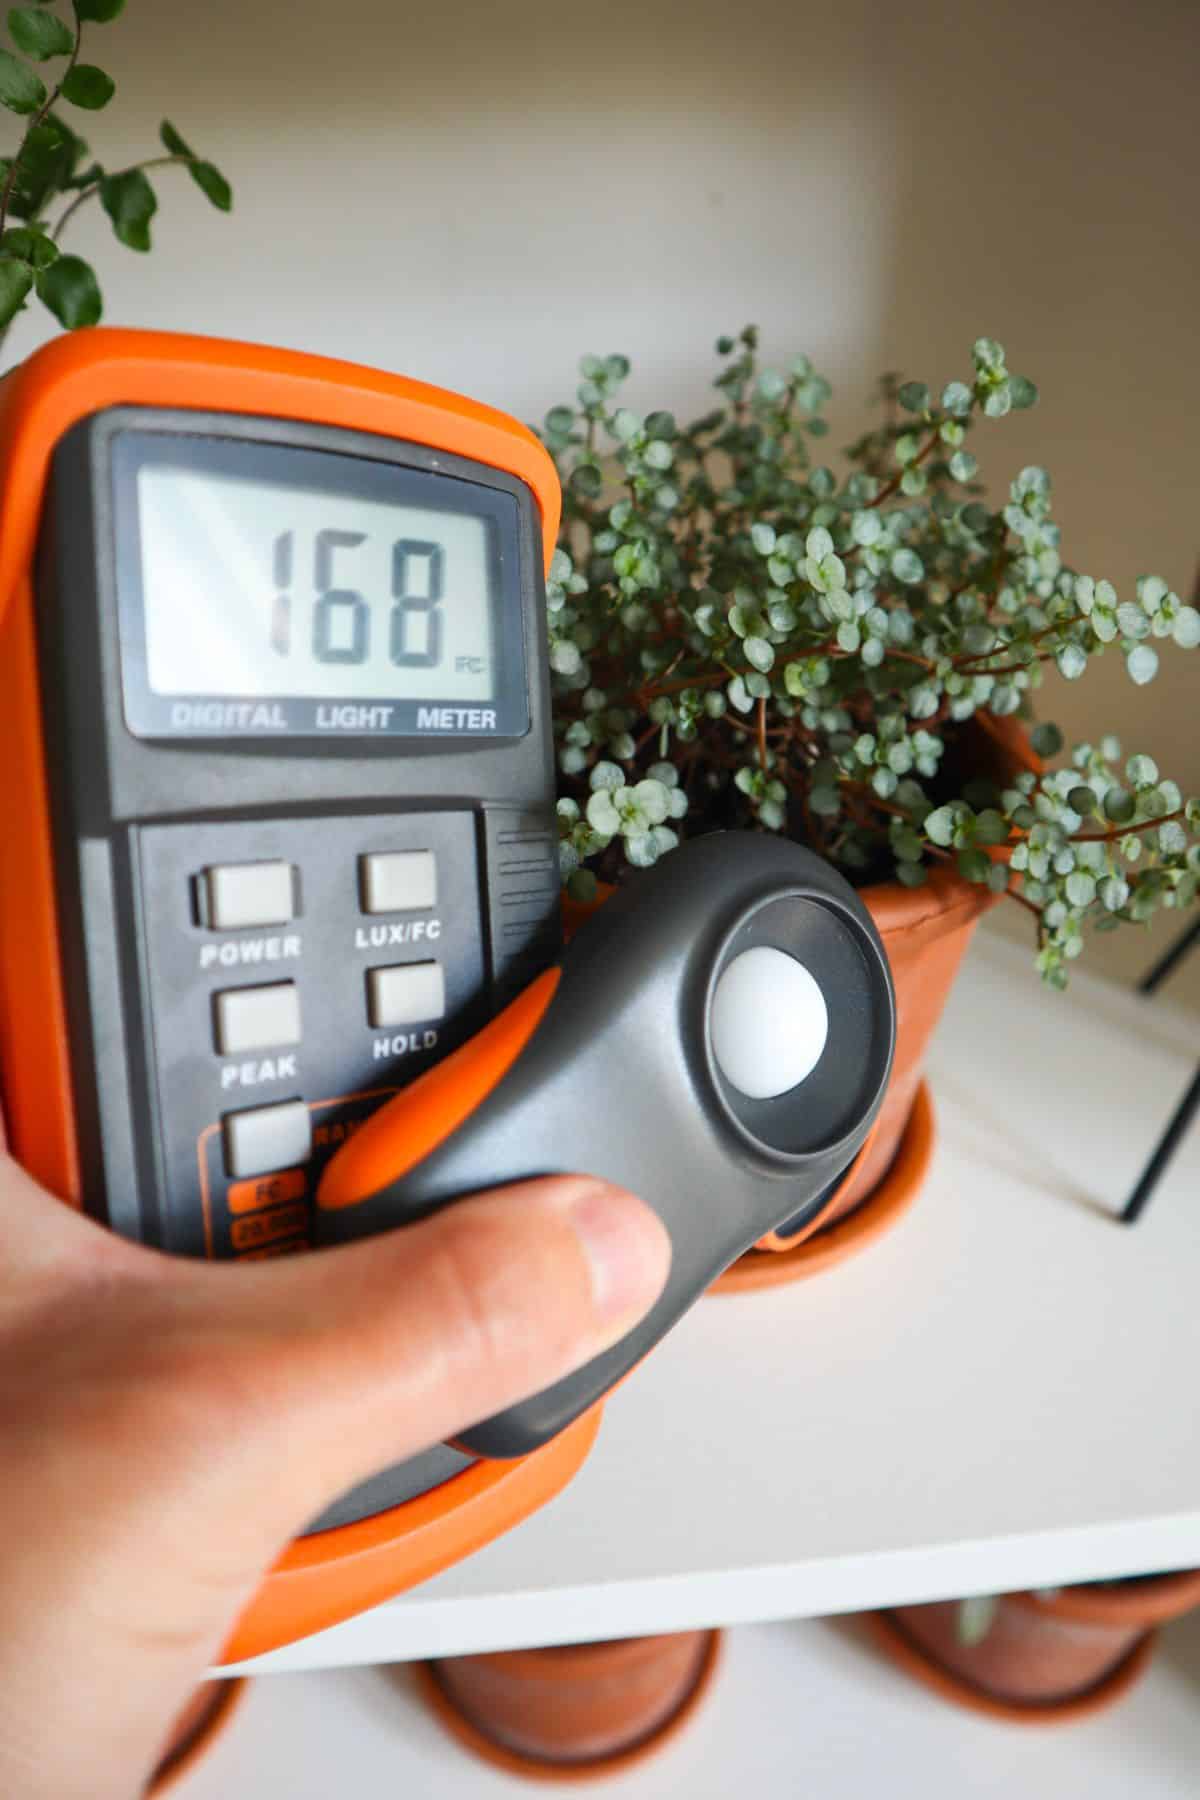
168	1425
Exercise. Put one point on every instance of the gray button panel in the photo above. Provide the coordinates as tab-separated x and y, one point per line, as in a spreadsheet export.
256	1018
408	994
264	1138
238	896
398	881
228	1045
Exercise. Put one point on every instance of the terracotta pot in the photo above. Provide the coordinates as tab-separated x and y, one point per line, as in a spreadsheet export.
197	1726
1053	1656
926	932
581	1709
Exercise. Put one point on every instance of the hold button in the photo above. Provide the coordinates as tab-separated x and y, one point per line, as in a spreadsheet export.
406	994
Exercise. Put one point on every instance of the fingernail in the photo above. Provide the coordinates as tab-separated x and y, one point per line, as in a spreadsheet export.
627	1247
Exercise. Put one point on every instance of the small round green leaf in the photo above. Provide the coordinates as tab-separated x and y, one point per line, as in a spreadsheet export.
21	91
16	279
957	398
991	827
69	288
907	566
913	396
1186	629
29	245
1142	664
581	885
213	184
130	203
38	33
89	87
974	865
1081	888
172	140
1047	739
100	12
939	826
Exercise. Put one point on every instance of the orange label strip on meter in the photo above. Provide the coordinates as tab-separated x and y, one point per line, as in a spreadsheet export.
266	1190
261	1228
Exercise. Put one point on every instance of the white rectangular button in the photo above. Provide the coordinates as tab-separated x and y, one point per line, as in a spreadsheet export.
256	1018
409	994
399	881
265	1138
239	895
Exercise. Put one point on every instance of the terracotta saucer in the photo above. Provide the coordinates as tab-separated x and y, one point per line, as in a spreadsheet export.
877	1214
951	1686
472	1737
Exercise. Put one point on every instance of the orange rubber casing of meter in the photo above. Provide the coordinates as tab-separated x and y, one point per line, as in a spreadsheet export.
330	1575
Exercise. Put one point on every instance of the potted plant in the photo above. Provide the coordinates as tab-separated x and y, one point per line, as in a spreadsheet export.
1051	1655
51	175
743	635
576	1709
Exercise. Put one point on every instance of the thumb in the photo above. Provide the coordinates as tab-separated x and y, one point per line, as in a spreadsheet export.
368	1353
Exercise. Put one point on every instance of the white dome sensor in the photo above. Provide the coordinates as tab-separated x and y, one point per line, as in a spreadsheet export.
769	1023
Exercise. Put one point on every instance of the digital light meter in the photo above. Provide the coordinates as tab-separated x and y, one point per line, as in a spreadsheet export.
279	905
278	805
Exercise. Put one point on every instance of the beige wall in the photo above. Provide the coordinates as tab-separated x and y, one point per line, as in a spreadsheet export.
477	192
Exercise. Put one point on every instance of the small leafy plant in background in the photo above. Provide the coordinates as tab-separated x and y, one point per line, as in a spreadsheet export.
49	176
742	634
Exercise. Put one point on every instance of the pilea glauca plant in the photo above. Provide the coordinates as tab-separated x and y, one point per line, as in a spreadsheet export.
742	634
49	175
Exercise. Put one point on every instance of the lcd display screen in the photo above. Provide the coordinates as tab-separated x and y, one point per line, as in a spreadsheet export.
310	591
255	590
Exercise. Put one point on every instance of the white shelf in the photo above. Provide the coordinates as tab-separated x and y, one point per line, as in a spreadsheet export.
799	1708
996	1395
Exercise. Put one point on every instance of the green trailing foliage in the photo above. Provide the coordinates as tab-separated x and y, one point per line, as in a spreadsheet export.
743	635
50	173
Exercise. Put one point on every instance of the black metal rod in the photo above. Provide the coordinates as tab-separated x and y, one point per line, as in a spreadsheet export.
1170	959
1151	1175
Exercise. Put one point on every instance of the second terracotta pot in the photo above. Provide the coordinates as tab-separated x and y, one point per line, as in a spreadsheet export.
1058	1654
578	1708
